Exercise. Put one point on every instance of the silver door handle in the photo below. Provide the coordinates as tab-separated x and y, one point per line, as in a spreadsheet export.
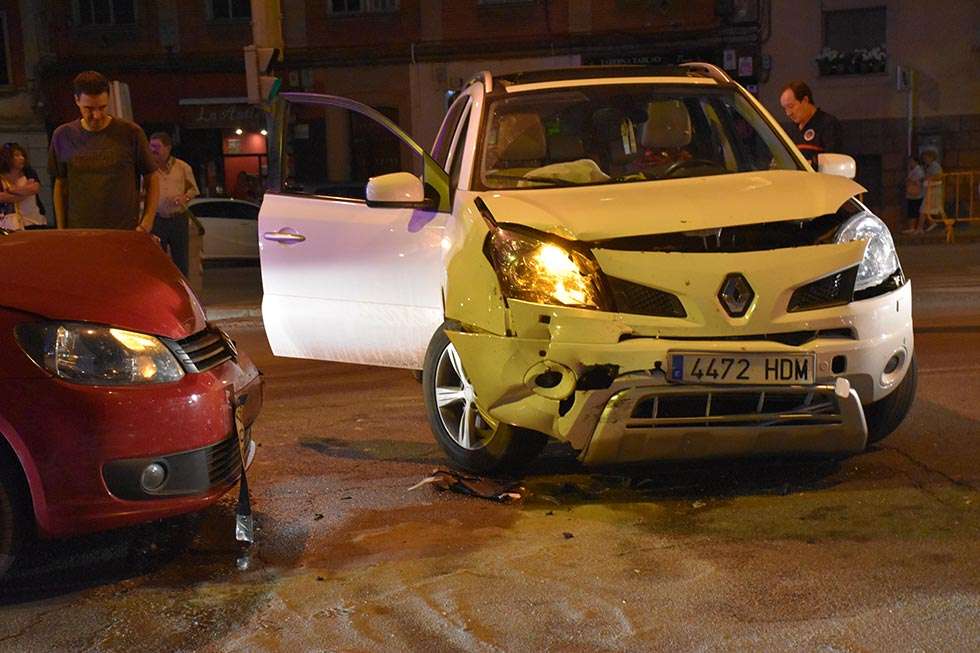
284	237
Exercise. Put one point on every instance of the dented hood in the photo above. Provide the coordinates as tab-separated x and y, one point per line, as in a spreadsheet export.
118	278
665	206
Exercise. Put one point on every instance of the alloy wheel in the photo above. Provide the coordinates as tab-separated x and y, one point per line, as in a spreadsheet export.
456	403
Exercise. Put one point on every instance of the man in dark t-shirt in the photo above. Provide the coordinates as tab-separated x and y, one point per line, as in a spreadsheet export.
818	131
97	162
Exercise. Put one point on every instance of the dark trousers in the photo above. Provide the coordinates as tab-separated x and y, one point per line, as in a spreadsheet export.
172	232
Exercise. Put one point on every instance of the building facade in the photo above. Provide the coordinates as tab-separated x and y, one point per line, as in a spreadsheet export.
899	75
182	60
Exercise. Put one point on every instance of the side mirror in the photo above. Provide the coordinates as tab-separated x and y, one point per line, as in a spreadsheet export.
836	164
398	190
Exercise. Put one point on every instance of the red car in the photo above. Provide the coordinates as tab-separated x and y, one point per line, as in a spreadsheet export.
117	398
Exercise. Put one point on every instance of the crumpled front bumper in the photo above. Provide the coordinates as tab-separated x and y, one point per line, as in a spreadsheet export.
637	420
606	372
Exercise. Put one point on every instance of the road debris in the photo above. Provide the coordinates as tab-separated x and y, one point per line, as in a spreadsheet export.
474	486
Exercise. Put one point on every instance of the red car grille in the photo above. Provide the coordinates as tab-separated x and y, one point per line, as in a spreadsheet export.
225	461
204	350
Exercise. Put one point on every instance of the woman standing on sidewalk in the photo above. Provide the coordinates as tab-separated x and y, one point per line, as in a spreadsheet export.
932	209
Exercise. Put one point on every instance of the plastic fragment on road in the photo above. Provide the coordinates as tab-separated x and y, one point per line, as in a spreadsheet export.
474	486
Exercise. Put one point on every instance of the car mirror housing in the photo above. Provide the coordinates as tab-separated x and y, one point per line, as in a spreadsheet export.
841	165
398	190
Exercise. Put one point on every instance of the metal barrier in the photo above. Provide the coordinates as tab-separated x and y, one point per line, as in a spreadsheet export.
960	191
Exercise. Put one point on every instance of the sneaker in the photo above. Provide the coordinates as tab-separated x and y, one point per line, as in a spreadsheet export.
932	225
910	232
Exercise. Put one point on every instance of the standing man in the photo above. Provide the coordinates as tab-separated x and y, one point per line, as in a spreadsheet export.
97	162
177	188
818	130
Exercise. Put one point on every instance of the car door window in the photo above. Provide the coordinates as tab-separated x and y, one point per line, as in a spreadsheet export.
330	167
447	132
333	152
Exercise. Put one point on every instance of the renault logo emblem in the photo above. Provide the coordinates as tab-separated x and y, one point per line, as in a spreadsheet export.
736	295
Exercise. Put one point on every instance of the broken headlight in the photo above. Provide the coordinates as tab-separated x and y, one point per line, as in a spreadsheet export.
97	355
542	271
880	258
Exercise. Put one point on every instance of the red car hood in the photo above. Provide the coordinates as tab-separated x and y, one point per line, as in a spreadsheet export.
119	278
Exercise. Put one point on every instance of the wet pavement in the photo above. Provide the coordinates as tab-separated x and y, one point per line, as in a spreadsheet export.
876	552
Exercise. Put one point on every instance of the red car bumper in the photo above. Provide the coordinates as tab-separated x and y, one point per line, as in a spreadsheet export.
84	448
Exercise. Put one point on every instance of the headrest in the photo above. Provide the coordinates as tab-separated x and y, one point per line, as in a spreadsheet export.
565	147
520	137
668	125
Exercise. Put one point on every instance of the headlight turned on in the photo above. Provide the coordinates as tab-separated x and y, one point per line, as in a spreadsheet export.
98	355
880	258
544	272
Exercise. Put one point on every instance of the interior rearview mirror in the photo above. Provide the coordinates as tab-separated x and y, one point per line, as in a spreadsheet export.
836	164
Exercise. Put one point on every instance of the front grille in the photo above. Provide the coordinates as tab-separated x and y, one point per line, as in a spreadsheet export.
736	407
637	299
225	460
792	338
743	238
834	290
204	350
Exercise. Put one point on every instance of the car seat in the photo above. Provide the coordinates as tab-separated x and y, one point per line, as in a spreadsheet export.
521	144
613	139
666	133
565	147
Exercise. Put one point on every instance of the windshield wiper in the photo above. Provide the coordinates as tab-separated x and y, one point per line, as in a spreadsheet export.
538	180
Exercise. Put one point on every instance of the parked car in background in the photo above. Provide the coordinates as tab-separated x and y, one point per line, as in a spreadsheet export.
230	227
635	261
118	400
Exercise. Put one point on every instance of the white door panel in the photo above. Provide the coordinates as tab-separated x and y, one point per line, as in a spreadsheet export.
354	284
350	332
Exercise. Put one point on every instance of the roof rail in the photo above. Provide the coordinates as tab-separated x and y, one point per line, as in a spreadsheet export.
710	70
487	81
483	76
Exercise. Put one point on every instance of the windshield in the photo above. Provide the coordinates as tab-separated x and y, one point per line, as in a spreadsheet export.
621	133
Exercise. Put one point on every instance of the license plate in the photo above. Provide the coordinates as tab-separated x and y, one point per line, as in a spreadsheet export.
742	368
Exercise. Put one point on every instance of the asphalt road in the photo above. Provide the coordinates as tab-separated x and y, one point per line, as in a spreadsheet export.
877	552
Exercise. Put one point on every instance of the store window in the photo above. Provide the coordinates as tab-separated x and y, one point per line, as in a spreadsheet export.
229	9
352	7
95	13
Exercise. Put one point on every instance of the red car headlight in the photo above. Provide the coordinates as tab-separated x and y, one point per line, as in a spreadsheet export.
98	355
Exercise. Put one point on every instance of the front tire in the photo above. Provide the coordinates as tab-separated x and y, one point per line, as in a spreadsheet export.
472	440
884	415
14	519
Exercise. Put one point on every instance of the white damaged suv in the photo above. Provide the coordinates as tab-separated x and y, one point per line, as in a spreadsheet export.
636	261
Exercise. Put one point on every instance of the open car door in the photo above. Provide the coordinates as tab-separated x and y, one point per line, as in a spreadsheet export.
352	280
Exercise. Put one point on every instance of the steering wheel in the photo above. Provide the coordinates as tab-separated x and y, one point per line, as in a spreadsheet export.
687	163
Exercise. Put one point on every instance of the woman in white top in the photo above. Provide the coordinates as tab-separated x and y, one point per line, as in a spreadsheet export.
932	210
20	187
